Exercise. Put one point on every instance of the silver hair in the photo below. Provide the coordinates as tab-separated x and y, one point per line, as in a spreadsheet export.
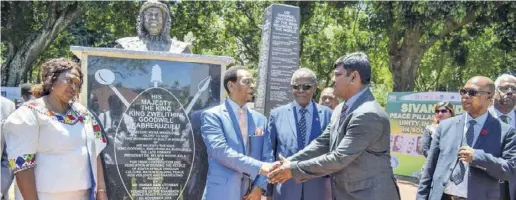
504	77
303	72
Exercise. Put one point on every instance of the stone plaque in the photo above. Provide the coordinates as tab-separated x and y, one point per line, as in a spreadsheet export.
279	56
146	106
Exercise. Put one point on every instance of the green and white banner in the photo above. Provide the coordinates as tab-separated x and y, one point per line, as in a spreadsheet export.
409	113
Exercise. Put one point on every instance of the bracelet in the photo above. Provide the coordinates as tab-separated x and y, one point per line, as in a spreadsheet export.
101	190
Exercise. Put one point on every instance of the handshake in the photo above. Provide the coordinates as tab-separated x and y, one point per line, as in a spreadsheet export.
277	172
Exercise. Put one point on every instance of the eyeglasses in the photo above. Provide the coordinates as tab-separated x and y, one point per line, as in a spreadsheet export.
472	92
442	111
247	82
302	86
506	89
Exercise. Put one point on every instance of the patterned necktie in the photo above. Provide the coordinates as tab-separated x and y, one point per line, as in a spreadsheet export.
343	114
242	124
458	174
302	125
505	119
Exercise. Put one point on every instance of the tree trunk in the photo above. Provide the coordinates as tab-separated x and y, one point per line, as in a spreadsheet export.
20	59
405	59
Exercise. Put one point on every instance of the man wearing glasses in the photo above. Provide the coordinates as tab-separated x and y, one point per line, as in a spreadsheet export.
354	150
239	153
292	127
471	152
502	109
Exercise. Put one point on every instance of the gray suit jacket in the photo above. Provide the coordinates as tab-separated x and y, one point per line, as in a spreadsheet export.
512	181
355	154
493	159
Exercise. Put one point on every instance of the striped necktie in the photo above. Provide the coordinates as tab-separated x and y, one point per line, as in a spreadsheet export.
343	114
302	125
505	119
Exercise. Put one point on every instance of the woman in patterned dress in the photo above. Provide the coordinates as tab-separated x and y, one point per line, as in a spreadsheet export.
53	143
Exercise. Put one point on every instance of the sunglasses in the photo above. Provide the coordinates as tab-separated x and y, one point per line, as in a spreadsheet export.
302	86
247	82
506	89
442	111
472	92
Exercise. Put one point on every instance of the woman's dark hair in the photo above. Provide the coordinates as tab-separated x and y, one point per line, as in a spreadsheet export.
51	71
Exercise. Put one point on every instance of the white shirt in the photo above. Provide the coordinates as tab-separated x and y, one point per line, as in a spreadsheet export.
54	145
461	190
511	116
235	108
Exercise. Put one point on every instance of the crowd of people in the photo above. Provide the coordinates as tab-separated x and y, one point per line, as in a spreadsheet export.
303	150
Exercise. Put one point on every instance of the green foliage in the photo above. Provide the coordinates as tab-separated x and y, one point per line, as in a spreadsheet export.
450	52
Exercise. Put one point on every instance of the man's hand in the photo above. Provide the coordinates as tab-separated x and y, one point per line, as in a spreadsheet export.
281	174
466	154
101	196
255	194
266	168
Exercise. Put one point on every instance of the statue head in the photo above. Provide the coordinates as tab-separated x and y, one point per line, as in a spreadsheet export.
154	21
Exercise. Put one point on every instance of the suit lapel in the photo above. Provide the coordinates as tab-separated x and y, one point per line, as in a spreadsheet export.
366	96
226	109
487	128
316	122
459	130
292	120
251	129
336	127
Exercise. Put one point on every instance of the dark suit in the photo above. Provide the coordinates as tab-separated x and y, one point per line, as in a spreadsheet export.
493	159
356	153
285	140
509	190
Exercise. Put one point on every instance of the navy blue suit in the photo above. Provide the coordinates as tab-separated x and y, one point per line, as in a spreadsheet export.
286	141
493	159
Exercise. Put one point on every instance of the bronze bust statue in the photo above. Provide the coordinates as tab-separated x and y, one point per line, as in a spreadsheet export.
153	27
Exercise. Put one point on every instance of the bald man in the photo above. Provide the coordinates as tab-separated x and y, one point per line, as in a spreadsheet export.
327	98
470	153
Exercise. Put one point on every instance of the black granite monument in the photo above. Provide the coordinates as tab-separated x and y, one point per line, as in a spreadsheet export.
279	56
149	106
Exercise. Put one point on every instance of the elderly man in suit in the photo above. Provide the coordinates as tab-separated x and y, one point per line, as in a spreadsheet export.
502	109
354	148
7	107
239	152
292	127
469	153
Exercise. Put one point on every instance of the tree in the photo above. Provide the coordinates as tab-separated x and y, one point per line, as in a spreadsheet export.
414	27
28	28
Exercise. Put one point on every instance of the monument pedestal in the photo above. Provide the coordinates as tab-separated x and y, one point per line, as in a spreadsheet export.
149	105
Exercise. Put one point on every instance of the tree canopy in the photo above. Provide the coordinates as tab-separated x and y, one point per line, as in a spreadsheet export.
417	46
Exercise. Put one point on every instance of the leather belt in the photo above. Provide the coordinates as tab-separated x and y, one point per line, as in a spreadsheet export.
452	197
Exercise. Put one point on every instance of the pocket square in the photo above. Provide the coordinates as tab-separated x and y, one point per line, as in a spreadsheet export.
258	132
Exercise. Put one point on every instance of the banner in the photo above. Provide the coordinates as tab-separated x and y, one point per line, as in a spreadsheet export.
409	113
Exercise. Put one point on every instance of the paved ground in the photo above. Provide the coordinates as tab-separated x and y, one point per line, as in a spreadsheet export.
408	190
